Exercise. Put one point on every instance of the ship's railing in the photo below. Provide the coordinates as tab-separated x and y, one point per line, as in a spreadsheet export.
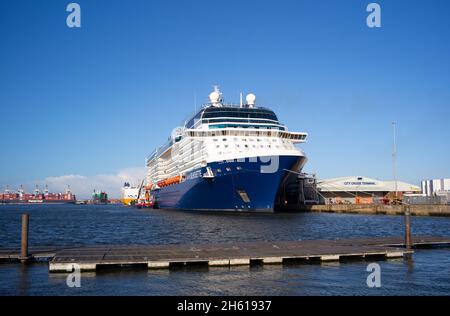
239	119
160	150
235	105
188	154
233	120
294	136
223	105
169	143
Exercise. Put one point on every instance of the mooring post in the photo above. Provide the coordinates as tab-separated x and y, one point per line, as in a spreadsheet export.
24	244
408	241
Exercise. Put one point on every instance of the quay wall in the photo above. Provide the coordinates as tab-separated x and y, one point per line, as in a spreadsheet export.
416	210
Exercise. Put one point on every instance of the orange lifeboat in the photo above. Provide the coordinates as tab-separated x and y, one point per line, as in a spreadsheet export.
169	181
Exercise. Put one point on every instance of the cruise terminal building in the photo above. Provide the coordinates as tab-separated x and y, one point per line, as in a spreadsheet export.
361	190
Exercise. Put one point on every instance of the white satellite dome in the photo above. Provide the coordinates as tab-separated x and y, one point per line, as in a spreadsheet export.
214	97
250	98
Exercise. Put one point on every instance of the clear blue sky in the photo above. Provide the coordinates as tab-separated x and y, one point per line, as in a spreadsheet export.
100	98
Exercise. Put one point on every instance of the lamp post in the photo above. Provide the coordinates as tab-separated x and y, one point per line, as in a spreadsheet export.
407	210
394	159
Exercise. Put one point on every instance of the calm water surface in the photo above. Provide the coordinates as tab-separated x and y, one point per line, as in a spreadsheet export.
75	225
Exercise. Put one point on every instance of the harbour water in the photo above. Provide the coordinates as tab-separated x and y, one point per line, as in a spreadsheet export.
426	273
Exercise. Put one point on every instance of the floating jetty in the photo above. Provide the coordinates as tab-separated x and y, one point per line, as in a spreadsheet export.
225	254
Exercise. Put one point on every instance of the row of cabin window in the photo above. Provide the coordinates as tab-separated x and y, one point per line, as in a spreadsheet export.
224	133
250	139
254	146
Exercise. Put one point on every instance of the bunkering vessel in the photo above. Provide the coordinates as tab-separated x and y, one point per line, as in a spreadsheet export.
226	157
138	196
130	194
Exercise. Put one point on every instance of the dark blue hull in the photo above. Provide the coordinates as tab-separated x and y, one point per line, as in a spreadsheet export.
243	186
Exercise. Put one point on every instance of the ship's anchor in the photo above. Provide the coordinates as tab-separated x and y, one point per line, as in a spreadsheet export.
208	175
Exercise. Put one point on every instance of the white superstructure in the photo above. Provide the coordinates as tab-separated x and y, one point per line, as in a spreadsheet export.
222	132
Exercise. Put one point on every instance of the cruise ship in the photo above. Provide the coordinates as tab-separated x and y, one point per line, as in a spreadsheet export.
226	157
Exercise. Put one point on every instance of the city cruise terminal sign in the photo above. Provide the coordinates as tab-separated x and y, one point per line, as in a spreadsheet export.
359	183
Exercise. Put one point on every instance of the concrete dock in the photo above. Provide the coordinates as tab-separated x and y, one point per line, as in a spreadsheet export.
379	209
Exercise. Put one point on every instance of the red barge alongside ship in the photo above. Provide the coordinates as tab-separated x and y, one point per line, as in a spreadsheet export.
46	197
